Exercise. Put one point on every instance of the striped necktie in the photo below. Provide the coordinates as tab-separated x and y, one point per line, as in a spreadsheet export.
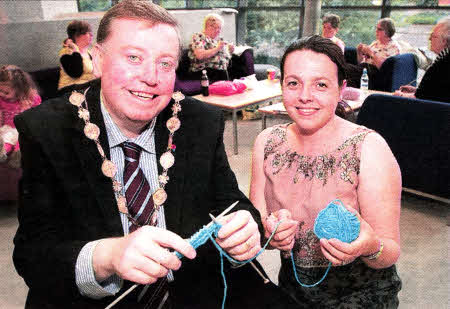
137	189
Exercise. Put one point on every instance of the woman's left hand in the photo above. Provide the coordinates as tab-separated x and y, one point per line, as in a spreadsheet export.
341	253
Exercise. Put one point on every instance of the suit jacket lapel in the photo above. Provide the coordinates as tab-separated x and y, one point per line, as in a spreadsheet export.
91	162
174	188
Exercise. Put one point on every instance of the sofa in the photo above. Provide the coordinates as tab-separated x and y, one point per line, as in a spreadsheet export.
418	134
47	82
395	71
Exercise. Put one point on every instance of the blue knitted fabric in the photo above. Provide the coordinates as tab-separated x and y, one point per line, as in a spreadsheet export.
335	221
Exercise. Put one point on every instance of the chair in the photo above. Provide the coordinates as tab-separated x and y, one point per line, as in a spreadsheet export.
418	134
47	82
394	72
9	180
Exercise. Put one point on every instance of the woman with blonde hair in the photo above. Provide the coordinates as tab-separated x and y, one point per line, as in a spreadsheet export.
209	52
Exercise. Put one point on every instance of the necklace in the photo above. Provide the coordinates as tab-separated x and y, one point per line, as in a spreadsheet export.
109	168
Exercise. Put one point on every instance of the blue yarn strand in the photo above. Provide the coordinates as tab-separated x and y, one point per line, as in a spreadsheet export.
303	284
223	253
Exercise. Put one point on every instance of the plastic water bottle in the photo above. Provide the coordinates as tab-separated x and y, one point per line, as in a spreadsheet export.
364	80
205	84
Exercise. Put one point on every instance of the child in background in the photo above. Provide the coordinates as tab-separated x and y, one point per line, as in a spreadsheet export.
17	94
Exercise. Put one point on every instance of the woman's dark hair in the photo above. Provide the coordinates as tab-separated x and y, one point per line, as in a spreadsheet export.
324	46
318	45
76	28
388	26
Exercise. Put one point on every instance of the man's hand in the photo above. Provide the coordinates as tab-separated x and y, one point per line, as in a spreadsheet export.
239	235
284	237
141	256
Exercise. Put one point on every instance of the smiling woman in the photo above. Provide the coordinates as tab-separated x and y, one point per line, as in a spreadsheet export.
299	168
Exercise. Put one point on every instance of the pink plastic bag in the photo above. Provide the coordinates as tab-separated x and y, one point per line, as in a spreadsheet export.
351	94
226	87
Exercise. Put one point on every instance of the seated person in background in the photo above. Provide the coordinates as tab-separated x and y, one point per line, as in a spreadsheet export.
209	52
381	49
435	84
17	94
300	167
372	56
330	26
74	57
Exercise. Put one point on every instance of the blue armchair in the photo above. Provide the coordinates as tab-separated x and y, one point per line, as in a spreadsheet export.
418	134
394	72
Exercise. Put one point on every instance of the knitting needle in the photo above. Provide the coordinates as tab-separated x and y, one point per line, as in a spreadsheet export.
223	213
251	262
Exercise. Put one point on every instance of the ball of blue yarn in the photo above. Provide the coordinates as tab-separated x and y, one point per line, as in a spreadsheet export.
335	221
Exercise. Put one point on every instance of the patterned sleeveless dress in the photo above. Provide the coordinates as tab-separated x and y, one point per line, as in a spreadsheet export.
305	185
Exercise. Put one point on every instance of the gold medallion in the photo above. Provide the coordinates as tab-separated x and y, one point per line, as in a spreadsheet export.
177	96
122	204
159	197
91	131
167	160
76	98
173	124
109	169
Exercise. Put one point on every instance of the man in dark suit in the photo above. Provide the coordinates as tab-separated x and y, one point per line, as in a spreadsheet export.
78	245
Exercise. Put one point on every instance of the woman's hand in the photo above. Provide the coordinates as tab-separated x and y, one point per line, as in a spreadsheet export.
363	51
284	237
230	48
341	253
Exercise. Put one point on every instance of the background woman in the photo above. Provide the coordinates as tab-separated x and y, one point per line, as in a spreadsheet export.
300	167
382	48
208	51
372	56
75	59
330	27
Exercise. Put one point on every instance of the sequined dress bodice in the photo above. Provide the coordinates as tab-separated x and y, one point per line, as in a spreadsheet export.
305	185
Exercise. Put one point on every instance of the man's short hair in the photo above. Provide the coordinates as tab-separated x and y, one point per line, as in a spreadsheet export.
139	10
388	26
333	19
76	28
213	18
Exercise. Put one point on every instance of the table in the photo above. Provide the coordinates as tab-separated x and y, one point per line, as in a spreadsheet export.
264	91
279	110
